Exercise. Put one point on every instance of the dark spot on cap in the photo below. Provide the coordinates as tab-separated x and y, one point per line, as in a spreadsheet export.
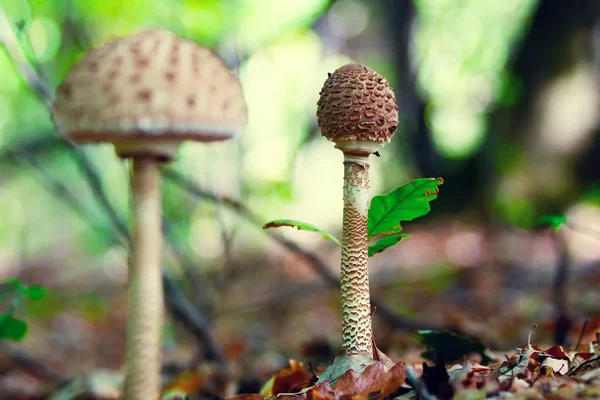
144	95
135	47
142	62
93	66
170	76
113	74
191	100
135	78
106	87
118	60
226	106
174	59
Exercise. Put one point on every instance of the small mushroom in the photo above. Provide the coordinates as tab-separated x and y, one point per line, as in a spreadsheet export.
145	94
357	111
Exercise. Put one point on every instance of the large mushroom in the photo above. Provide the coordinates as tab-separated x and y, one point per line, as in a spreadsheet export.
357	110
145	94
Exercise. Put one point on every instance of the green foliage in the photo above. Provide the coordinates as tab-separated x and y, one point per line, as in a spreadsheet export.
386	242
451	346
12	328
555	221
406	203
14	292
302	226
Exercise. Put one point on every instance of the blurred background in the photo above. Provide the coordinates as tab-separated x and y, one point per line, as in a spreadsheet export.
499	98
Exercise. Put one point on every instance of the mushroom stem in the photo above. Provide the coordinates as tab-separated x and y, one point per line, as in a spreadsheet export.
356	305
145	292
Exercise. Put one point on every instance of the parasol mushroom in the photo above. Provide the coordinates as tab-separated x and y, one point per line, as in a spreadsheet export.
357	111
145	94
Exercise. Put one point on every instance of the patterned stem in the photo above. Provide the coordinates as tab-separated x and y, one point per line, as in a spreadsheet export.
356	304
145	292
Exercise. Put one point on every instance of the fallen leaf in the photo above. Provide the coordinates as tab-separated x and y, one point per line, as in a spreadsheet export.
344	362
288	380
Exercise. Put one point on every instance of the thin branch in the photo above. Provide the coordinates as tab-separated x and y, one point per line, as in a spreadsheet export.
418	384
32	367
10	41
195	322
584	230
62	192
198	282
95	184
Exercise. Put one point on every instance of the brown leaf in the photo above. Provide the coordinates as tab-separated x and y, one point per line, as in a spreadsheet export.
344	362
288	380
247	397
322	391
396	377
370	381
206	377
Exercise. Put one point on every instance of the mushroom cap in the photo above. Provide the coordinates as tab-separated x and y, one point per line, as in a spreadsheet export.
148	92
357	109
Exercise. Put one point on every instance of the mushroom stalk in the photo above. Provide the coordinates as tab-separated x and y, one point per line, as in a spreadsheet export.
145	292
356	306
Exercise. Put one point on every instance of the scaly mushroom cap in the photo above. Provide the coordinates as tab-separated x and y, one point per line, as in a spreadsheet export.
357	109
148	92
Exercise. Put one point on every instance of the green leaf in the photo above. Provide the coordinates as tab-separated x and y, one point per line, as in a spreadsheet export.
406	203
386	242
555	221
303	226
36	292
15	283
451	346
12	328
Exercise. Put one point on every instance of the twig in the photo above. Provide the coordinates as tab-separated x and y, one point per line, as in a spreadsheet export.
583	328
95	184
584	230
11	43
395	320
62	192
418	384
31	366
194	321
199	287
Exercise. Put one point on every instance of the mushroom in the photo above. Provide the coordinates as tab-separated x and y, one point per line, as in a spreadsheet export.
145	94
357	111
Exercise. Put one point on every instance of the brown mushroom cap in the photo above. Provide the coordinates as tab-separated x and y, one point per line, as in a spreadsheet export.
357	109
148	92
